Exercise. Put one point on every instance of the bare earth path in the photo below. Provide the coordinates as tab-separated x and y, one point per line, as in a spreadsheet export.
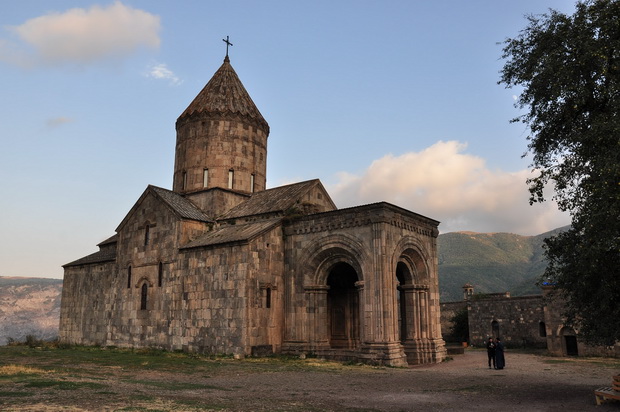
528	383
92	383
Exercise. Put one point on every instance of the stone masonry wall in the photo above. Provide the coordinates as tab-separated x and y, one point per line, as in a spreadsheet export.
84	301
220	145
556	330
372	240
519	320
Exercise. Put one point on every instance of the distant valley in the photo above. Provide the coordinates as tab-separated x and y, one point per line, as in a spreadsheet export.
492	262
29	306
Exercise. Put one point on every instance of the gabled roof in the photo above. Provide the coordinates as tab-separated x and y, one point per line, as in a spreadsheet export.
107	255
233	233
110	240
179	205
224	94
278	199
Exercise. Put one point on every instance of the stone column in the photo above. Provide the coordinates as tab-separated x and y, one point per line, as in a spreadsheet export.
361	321
416	344
316	317
423	302
411	312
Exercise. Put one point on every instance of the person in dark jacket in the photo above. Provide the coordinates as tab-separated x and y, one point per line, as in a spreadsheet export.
491	352
500	362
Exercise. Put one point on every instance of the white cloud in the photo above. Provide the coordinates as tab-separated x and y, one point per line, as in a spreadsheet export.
58	121
444	183
82	36
162	72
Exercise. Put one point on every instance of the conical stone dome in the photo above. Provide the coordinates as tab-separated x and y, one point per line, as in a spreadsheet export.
224	95
221	139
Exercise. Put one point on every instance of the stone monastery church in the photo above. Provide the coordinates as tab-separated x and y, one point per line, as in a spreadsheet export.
222	265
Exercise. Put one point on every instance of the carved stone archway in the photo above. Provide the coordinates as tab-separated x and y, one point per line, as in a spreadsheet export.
343	307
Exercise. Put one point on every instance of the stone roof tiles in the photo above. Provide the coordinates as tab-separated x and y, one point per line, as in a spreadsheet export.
274	200
233	233
180	205
110	240
106	255
224	95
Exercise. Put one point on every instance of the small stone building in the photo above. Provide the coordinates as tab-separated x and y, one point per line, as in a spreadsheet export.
533	321
519	320
222	265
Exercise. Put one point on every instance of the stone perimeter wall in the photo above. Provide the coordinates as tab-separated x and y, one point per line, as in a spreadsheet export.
519	320
532	321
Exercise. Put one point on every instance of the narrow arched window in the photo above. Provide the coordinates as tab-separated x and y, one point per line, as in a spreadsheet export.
542	329
184	181
252	183
160	274
268	298
495	328
143	295
147	234
205	177
128	277
231	178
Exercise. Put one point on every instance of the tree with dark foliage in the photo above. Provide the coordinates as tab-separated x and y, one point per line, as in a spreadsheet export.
568	67
459	332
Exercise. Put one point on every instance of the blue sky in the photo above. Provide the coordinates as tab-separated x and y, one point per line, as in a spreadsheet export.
381	100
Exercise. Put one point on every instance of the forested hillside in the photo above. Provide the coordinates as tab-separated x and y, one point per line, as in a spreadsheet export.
492	262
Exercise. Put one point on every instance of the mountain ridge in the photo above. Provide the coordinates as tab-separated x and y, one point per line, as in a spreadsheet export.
492	262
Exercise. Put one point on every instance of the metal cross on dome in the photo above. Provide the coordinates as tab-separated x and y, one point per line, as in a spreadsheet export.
228	43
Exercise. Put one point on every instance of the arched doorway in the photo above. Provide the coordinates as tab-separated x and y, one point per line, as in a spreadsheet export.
343	306
495	329
403	275
569	343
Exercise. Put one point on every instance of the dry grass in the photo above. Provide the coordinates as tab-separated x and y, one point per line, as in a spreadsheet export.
8	370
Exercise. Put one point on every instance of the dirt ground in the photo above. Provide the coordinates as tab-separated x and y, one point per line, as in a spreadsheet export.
528	383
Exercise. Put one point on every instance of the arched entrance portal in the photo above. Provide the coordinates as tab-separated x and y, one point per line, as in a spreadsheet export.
403	276
343	306
569	344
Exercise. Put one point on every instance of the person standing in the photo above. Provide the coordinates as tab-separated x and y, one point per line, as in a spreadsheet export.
491	352
500	362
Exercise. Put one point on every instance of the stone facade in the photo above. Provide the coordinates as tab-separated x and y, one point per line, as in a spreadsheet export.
222	265
523	321
519	321
563	340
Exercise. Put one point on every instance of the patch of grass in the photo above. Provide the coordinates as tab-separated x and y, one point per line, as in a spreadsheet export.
556	361
142	397
64	385
201	405
10	370
176	386
9	394
596	361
